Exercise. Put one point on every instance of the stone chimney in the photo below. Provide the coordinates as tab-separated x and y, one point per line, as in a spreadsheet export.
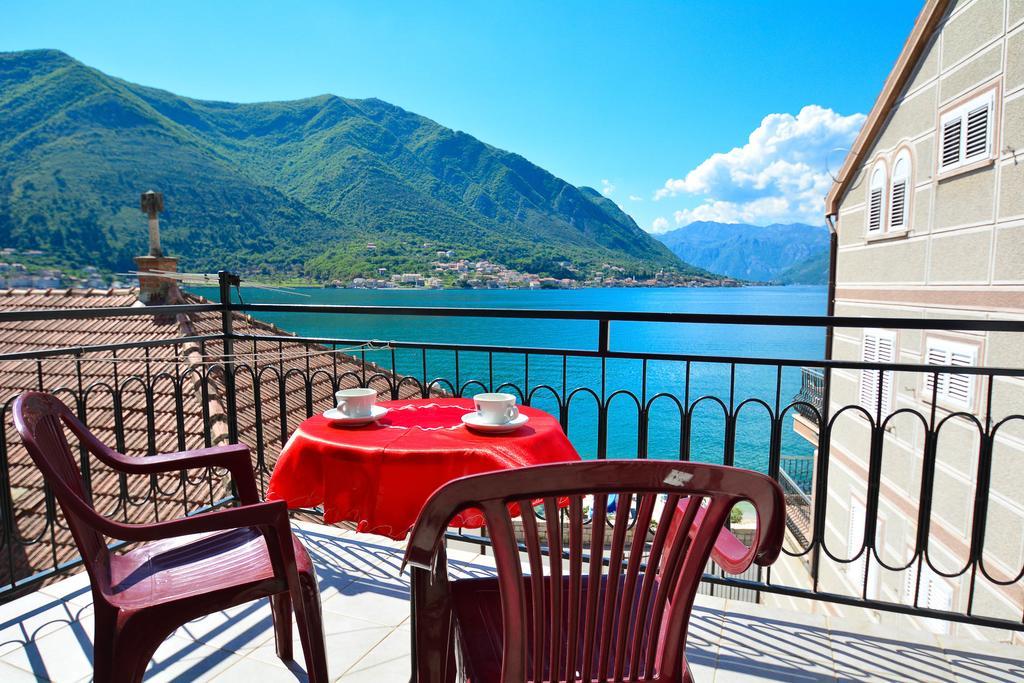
156	290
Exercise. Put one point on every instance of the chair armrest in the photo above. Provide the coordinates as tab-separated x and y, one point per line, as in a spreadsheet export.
271	515
233	457
215	456
729	552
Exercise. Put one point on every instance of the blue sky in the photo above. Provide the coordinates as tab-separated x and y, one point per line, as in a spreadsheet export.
677	110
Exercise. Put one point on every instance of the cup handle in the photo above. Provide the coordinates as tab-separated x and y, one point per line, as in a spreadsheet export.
512	412
342	407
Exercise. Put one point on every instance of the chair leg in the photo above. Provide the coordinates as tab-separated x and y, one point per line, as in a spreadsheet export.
134	645
311	628
687	674
103	642
281	608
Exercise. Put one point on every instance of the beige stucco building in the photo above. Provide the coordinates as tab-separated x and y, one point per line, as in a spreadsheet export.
928	213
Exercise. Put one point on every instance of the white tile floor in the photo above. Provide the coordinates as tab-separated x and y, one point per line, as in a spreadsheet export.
47	635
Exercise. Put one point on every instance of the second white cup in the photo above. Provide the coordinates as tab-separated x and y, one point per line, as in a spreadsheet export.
495	408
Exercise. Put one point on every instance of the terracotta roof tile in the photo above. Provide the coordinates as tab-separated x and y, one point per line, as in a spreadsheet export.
162	407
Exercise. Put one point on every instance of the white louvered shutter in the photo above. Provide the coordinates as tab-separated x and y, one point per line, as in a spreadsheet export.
909	579
954	388
879	346
966	132
875	211
960	386
899	198
854	541
869	378
933	593
936	593
936	356
857	571
876	199
951	142
976	142
886	354
898	193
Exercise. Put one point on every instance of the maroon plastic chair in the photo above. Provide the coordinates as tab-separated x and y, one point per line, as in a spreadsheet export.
188	567
560	622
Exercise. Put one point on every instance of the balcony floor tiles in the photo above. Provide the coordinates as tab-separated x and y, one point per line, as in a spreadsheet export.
47	635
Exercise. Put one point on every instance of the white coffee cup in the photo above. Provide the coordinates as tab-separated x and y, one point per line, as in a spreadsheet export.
355	402
496	409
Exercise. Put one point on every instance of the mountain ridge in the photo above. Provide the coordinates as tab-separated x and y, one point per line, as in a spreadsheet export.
298	187
752	252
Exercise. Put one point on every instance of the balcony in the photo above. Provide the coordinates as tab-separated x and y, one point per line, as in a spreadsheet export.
810	400
47	634
832	606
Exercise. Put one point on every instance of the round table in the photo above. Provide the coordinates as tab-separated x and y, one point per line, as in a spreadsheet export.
380	475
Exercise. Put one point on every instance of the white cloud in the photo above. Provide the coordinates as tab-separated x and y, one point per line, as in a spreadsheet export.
606	187
764	210
635	198
659	224
779	175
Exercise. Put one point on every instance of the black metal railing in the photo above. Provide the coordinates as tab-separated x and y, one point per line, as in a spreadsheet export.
796	482
799	470
232	380
810	400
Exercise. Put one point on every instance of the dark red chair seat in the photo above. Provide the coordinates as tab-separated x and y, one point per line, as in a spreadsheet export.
476	604
175	568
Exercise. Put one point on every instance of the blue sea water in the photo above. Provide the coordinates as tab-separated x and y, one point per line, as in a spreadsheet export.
505	370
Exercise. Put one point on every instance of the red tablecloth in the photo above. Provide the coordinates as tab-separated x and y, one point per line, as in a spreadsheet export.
380	475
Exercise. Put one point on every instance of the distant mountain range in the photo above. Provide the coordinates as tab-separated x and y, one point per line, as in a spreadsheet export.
285	188
790	254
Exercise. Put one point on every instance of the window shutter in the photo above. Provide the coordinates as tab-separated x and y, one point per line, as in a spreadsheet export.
875	211
951	142
886	354
957	388
899	196
878	346
960	386
909	579
936	356
854	541
937	593
977	133
869	378
933	593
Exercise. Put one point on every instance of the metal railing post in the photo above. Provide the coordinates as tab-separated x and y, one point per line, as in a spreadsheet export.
226	281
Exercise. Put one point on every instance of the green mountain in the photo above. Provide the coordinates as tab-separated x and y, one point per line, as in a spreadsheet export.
283	188
811	271
750	252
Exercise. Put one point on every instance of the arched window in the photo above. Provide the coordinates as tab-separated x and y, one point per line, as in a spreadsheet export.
899	196
876	199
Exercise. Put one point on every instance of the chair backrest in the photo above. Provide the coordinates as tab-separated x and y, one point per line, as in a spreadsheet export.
650	554
40	419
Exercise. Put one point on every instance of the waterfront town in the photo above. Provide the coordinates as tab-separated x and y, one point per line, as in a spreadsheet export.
484	274
18	272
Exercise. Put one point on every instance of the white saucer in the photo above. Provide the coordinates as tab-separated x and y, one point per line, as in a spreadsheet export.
472	421
339	418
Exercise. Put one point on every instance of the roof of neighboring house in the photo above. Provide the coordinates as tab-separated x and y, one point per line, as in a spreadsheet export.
924	28
127	395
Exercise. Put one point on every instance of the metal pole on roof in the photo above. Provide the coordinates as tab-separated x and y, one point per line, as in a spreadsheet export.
226	281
